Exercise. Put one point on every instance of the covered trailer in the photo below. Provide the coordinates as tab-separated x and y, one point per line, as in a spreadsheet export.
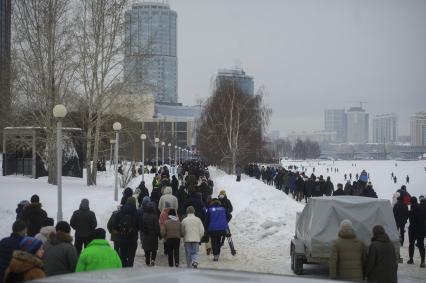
317	226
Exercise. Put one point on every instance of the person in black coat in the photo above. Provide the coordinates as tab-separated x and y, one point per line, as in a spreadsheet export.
175	185
151	232
416	231
329	187
10	244
309	187
339	191
400	212
143	192
368	191
126	225
195	201
128	192
226	203
83	221
182	195
34	216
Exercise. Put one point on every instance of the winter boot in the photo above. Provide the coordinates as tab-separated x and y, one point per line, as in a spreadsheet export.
422	265
195	264
152	263
410	261
208	251
216	258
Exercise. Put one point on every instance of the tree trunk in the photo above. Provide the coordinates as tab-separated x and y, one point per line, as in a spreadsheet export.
96	149
89	155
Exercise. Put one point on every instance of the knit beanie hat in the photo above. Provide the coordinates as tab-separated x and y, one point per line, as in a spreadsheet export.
190	210
18	226
63	226
35	199
99	233
48	222
131	200
30	245
84	203
346	224
378	230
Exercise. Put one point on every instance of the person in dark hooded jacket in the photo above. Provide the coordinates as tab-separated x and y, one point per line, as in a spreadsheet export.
10	244
127	225
151	232
416	231
381	266
182	195
339	191
60	256
34	216
128	192
328	187
400	212
175	185
194	200
143	192
83	221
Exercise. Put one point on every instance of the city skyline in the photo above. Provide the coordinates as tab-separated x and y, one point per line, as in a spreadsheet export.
309	55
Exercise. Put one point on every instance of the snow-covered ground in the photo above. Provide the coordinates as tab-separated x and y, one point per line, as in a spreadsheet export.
263	219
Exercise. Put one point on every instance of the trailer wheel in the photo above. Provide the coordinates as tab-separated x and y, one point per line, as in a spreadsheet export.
296	262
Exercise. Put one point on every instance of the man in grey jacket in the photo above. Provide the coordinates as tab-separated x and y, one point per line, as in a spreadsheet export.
60	256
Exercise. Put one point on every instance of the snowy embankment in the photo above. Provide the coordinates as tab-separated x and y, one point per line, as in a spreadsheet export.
262	225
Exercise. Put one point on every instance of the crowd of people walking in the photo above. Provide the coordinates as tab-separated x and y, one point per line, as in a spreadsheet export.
180	208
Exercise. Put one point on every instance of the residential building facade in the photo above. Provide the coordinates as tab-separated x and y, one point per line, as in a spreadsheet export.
418	129
335	120
385	128
357	125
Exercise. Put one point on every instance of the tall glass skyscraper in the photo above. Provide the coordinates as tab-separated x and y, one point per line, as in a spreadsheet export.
5	15
239	77
150	63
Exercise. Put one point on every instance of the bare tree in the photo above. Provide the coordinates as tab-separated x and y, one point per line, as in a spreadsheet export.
43	61
232	126
98	34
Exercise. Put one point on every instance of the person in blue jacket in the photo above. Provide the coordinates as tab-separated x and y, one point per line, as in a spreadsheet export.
217	225
10	244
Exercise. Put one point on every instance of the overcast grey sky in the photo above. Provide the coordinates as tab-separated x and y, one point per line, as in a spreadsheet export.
309	54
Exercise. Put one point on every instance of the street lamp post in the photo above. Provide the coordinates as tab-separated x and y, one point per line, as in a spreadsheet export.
179	154
170	155
143	138
117	128
59	111
157	140
162	152
110	152
176	155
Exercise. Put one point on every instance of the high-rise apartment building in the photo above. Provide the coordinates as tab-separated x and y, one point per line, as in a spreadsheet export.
335	120
418	129
150	60
239	77
357	125
385	128
5	16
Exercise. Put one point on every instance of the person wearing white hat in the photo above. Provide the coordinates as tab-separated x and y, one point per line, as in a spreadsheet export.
347	254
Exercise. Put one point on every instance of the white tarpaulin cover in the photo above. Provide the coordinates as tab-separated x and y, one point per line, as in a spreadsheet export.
318	224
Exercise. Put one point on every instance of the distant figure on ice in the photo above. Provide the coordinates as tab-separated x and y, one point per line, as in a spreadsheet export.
238	170
346	176
394	179
327	170
350	176
407	179
392	175
356	176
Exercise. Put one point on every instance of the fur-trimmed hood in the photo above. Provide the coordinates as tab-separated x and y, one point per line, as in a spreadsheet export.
347	233
22	262
60	237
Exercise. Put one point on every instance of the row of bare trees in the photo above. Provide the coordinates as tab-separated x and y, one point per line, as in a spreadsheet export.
67	52
231	127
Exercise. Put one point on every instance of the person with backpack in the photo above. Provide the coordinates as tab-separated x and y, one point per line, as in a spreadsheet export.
60	256
83	221
143	192
20	209
175	185
151	232
98	255
126	225
169	198
400	212
34	216
9	244
406	197
171	232
114	235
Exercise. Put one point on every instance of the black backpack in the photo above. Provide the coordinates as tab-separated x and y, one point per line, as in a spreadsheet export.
125	226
